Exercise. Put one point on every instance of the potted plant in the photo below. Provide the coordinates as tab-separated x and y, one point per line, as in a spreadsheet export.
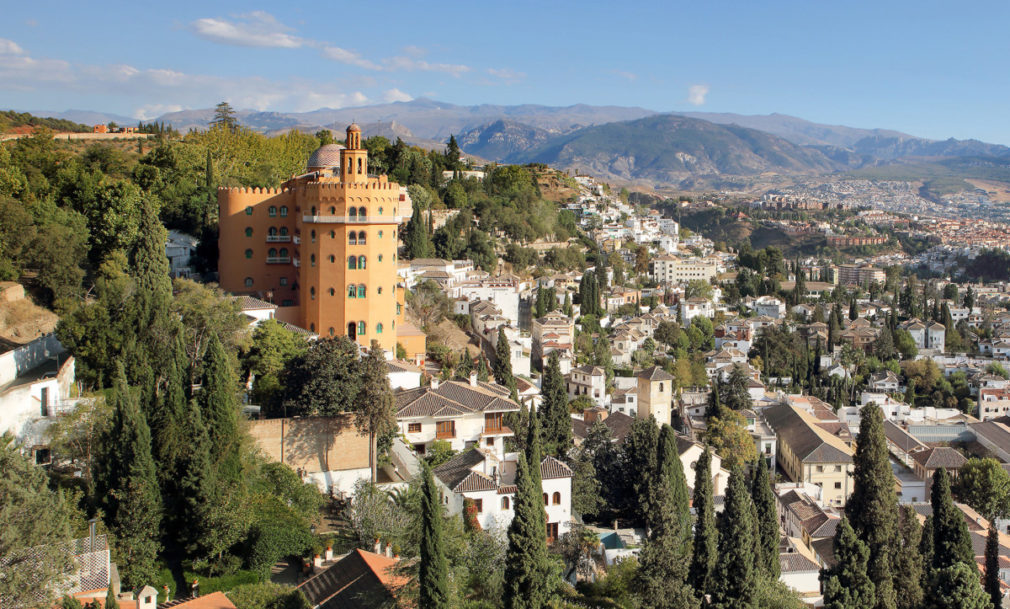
329	549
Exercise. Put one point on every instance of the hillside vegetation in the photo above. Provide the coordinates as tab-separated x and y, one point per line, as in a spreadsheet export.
11	121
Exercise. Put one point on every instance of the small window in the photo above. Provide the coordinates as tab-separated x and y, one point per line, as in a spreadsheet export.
838	485
661	387
378	328
271	253
313	235
284	252
273	212
272	231
352	263
312	293
248	253
352	213
545	499
248	231
284	231
333	258
362	213
505	503
361	238
556	499
333	211
333	234
312	259
380	289
380	213
333	292
248	282
284	211
361	291
380	232
248	211
352	238
352	292
361	262
313	210
361	328
413	428
380	257
312	327
283	281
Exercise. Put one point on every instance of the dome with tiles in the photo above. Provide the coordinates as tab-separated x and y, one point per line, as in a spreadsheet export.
325	156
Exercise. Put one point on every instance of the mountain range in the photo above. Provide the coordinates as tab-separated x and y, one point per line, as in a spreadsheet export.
614	142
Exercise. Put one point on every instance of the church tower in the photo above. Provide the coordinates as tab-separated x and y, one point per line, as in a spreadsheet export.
354	158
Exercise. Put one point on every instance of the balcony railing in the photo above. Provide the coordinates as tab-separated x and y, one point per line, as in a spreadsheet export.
445	435
279	260
278	238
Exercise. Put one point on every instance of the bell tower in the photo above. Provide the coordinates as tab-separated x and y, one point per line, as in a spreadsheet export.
354	158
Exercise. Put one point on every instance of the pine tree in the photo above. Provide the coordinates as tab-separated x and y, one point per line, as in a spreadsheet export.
951	540
433	569
957	587
873	506
557	424
767	520
527	564
992	581
705	535
847	585
665	559
220	409
908	561
734	579
134	501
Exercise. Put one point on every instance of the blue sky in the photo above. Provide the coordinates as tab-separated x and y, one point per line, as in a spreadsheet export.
935	69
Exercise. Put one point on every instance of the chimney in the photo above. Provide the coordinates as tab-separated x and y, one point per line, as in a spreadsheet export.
389	550
434	382
473	378
377	548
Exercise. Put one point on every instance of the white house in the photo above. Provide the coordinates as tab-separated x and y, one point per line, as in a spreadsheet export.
256	310
403	375
180	248
693	307
488	479
589	381
770	306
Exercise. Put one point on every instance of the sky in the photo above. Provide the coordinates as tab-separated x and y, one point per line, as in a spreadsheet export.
932	69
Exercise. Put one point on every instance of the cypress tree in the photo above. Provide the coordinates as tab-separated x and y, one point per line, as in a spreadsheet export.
196	483
465	367
503	360
665	558
527	564
908	561
951	540
873	506
992	582
482	372
557	424
110	598
767	520
640	450
418	239
567	308
926	551
220	410
433	569
705	534
847	585
957	587
134	506
151	301
734	579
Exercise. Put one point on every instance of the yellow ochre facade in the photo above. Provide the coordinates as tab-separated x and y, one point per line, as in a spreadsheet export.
322	246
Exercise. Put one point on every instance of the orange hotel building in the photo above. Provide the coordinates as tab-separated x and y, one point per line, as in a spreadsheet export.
323	247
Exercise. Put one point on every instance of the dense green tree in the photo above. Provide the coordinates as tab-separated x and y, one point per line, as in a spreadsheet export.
483	374
926	550
992	582
675	500
873	507
848	585
503	361
767	519
957	587
465	366
528	570
640	451
733	582
273	346
324	380
556	422
433	569
985	486
220	409
587	491
416	239
705	535
374	410
951	539
908	562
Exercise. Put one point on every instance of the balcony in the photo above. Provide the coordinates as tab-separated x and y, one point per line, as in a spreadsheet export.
278	238
279	260
496	430
445	435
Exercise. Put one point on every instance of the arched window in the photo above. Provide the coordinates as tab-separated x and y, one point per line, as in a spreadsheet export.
361	291
333	258
248	282
556	499
284	252
378	328
361	262
312	234
352	330
333	292
361	213
312	293
352	263
248	211
248	253
352	238
545	499
505	503
272	231
273	211
352	292
350	165
380	234
312	259
361	238
270	254
380	213
283	281
359	165
313	210
331	331
333	211
248	231
361	328
284	231
312	327
352	213
333	234
284	211
380	289
380	257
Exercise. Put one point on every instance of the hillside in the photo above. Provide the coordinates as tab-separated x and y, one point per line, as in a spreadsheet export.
11	121
674	149
503	140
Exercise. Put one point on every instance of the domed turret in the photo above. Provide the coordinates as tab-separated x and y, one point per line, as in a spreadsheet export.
353	140
324	157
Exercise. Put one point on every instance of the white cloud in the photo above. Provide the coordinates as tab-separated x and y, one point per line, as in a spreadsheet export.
256	29
9	47
696	94
508	75
349	57
396	95
410	64
628	76
150	111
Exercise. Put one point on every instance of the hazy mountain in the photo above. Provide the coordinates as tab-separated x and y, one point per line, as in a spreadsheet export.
503	140
87	117
797	130
671	149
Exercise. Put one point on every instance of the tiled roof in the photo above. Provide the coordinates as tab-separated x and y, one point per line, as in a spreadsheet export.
807	440
794	562
618	423
655	373
997	433
360	579
552	468
455	471
248	303
941	456
453	398
901	438
213	600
